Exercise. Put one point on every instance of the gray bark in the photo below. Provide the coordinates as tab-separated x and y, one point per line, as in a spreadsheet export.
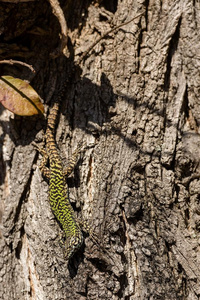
134	101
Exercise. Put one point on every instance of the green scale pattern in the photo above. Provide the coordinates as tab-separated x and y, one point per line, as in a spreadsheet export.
58	192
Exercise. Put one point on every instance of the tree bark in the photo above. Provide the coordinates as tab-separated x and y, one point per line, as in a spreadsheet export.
134	101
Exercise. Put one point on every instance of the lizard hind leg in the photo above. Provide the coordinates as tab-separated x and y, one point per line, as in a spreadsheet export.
44	170
73	160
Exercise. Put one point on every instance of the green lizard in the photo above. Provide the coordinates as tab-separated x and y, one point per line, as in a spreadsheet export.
58	192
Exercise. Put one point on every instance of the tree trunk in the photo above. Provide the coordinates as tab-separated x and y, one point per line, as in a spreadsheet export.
134	101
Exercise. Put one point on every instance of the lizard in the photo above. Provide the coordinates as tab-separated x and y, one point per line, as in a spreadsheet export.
58	191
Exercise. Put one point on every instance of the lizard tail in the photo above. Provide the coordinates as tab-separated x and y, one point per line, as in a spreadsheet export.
53	116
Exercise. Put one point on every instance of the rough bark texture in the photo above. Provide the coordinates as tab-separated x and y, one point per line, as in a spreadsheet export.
135	102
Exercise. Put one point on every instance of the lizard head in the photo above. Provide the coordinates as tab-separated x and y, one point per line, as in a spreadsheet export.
73	244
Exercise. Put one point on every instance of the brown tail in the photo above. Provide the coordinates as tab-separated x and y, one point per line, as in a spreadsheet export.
53	116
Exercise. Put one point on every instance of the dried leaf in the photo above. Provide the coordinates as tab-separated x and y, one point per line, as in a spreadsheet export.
19	97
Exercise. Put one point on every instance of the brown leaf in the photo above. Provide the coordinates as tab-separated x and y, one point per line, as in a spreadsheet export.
19	97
